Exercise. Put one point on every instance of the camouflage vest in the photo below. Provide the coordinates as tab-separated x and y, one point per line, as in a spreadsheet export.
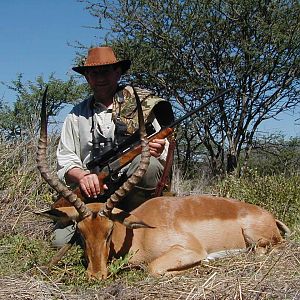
124	108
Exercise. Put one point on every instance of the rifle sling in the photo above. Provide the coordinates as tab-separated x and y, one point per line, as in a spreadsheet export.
169	161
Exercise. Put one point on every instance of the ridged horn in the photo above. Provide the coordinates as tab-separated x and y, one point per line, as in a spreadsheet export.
129	184
43	167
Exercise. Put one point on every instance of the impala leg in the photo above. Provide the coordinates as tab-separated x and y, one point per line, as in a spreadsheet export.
176	259
260	245
62	251
58	256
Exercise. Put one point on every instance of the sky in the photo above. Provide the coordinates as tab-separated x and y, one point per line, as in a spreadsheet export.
35	35
35	38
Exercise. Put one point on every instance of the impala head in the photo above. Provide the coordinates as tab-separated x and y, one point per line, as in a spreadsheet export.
95	221
96	233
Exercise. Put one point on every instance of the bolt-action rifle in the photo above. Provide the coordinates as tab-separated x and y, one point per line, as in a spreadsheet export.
113	160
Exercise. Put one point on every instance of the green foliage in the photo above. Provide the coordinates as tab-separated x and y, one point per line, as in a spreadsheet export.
118	264
275	155
120	267
71	269
20	254
23	118
279	194
32	255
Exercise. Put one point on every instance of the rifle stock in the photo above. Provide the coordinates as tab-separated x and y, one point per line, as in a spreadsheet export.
128	156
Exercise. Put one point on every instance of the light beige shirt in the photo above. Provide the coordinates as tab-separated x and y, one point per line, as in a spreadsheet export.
75	146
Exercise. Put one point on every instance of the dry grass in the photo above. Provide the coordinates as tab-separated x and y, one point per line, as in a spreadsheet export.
246	276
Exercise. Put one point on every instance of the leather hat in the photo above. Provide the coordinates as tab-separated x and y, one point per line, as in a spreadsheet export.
101	56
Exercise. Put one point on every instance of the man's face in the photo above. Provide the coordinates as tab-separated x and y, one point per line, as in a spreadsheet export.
103	81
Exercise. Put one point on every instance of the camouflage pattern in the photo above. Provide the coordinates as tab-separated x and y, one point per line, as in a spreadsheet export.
124	106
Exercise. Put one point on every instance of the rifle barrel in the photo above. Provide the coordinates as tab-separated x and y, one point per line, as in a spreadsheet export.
176	122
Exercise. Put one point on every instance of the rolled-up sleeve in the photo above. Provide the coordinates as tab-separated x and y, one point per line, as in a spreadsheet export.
68	150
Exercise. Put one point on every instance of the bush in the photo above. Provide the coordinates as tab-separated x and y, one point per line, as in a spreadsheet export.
279	194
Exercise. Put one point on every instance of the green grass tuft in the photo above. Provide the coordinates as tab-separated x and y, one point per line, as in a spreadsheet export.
279	194
20	254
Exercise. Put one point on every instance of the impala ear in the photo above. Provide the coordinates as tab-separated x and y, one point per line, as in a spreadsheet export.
62	215
128	220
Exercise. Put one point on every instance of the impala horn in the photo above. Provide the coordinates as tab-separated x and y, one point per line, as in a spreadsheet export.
43	167
128	185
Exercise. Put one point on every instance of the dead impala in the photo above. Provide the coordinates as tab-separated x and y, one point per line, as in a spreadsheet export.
168	233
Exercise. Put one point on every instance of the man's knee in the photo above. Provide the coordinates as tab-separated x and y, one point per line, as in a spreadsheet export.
152	175
145	189
135	198
62	235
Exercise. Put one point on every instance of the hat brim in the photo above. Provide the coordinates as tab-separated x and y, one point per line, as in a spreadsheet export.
124	64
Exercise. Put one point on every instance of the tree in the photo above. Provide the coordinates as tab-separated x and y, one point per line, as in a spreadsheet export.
187	50
275	155
21	121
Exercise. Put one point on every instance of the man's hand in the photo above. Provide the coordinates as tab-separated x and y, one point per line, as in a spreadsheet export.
88	183
157	147
90	186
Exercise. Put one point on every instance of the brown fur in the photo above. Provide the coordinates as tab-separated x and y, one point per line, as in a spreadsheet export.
176	232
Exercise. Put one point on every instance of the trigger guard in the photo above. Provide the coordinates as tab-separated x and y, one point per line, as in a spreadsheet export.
115	177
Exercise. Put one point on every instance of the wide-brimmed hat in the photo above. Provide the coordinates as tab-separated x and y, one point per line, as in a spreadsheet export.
101	56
